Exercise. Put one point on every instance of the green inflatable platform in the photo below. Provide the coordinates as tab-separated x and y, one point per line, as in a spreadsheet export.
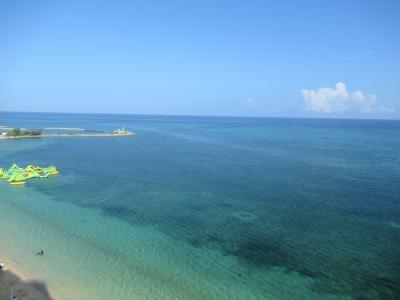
17	176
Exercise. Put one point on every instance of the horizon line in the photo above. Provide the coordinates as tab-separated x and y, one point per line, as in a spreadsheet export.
209	116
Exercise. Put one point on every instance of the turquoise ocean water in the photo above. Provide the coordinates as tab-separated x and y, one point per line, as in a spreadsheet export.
207	208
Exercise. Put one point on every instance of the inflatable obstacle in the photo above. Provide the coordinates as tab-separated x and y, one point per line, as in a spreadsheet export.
17	176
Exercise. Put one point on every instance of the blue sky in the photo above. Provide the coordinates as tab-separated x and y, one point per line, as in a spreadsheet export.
253	58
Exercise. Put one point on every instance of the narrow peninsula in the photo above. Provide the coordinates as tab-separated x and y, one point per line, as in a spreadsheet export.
20	133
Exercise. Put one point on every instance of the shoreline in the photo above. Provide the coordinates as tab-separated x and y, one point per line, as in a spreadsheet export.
22	285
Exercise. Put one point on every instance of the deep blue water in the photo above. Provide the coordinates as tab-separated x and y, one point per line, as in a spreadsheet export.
317	197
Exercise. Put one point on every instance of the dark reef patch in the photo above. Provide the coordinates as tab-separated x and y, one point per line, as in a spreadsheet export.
119	211
261	254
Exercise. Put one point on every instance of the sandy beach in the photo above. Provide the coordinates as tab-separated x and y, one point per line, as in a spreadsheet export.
18	283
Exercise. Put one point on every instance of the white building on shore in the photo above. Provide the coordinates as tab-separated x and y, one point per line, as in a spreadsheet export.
120	131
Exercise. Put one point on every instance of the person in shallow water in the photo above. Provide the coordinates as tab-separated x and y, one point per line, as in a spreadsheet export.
1	265
40	252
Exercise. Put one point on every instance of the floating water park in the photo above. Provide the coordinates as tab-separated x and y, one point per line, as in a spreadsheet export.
18	176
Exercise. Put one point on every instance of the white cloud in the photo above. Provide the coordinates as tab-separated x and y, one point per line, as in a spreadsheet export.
250	102
339	100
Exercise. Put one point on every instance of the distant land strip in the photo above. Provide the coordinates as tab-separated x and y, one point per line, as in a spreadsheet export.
100	133
128	133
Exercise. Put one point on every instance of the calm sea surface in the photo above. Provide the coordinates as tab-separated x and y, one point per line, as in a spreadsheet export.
207	208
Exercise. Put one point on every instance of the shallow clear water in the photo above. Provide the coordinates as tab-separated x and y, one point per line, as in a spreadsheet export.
208	208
